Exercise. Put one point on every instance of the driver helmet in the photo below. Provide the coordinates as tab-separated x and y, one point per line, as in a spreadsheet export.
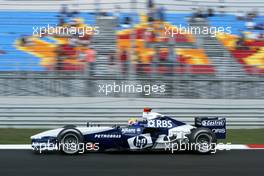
132	121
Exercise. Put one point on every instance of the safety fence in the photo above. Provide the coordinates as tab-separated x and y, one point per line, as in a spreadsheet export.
50	116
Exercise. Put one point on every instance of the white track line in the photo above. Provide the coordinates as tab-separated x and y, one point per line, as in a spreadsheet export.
219	147
15	147
232	147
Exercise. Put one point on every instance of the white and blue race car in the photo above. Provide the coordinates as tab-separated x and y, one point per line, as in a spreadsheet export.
154	132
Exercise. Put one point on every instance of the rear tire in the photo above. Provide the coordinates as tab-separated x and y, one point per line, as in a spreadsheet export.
202	140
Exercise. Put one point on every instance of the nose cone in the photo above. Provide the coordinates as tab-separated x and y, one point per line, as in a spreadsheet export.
49	133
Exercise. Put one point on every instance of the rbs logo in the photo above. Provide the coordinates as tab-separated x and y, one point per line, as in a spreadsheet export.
160	123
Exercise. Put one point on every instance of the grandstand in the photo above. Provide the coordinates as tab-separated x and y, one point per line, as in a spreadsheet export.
134	46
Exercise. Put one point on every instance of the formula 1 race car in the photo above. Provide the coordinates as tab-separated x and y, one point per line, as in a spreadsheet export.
154	132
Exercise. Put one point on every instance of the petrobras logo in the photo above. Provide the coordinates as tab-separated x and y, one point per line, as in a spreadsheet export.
213	122
160	123
107	136
221	130
130	130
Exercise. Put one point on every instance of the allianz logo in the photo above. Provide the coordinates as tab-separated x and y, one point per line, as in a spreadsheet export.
131	130
213	122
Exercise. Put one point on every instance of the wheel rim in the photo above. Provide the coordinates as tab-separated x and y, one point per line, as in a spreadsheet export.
70	143
203	143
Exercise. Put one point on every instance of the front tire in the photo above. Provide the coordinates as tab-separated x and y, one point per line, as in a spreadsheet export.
70	142
203	140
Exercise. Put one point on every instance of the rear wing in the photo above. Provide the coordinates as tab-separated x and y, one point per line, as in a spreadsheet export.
216	124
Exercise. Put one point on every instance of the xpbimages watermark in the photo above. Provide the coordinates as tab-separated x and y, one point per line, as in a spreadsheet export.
181	146
122	87
80	147
41	31
206	30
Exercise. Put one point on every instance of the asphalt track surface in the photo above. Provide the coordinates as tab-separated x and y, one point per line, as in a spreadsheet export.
235	163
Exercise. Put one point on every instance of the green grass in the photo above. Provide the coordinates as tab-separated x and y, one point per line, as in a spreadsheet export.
17	136
234	136
245	136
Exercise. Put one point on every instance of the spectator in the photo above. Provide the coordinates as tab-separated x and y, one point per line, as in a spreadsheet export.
64	9
240	15
152	12
91	59
240	43
97	7
261	37
26	41
2	51
161	13
127	23
150	36
124	62
85	40
59	65
198	14
73	41
150	4
63	15
75	10
210	12
82	55
252	14
250	24
172	55
242	34
117	14
139	68
222	6
259	26
112	63
61	21
69	51
162	58
75	22
163	55
111	59
151	19
252	36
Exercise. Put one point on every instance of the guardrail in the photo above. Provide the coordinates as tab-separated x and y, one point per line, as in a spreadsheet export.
129	5
57	116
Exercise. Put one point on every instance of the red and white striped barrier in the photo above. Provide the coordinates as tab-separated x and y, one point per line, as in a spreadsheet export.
240	146
255	146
